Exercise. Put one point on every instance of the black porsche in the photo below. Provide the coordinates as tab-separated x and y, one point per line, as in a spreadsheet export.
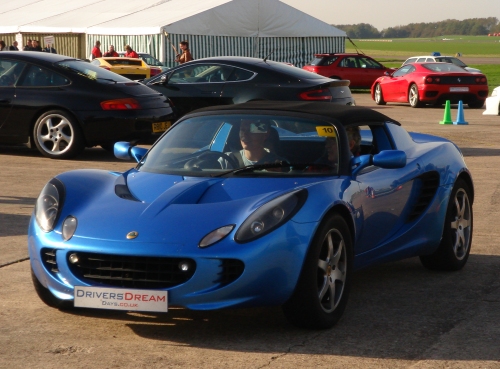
60	105
232	80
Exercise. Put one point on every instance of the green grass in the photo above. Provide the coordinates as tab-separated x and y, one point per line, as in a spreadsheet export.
473	46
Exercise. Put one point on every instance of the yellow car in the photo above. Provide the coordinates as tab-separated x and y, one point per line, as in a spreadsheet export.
131	68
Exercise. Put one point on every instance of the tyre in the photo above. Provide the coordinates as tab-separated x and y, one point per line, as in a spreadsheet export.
413	97
379	98
454	249
47	297
57	135
478	104
322	290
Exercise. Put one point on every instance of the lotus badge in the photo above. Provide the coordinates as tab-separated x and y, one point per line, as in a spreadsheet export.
132	235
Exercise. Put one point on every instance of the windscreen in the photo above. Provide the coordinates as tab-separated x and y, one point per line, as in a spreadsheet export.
243	144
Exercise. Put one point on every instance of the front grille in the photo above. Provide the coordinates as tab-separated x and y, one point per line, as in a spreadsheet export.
428	189
130	271
49	260
231	271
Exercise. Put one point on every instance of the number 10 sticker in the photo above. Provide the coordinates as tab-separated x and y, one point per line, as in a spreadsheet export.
326	131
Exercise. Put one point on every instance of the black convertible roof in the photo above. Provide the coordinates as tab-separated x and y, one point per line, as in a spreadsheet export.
345	114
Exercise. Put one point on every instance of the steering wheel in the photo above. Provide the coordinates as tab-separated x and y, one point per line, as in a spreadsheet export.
209	157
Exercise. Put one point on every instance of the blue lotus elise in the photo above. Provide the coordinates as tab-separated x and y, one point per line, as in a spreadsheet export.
262	203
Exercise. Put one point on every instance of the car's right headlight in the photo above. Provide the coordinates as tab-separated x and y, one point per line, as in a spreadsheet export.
49	204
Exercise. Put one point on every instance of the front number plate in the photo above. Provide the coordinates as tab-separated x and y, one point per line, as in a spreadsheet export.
161	126
459	89
121	299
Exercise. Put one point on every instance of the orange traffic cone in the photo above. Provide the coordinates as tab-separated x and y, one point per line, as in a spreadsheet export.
460	114
447	114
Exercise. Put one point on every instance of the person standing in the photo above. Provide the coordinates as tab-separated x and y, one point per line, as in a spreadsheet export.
36	46
111	52
28	46
185	56
96	51
129	53
50	49
14	47
2	46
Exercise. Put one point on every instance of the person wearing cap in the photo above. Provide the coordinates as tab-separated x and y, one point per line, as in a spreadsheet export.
254	136
111	52
129	53
96	50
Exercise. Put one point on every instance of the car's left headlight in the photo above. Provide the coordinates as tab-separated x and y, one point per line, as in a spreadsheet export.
270	216
49	204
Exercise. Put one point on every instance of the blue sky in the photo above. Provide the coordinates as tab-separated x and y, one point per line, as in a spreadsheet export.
390	13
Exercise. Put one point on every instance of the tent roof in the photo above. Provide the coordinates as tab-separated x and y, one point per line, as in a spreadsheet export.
246	18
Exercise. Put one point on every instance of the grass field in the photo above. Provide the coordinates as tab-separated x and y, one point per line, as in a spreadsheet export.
393	54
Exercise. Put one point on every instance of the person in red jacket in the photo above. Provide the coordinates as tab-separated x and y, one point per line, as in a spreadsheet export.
129	53
96	51
111	52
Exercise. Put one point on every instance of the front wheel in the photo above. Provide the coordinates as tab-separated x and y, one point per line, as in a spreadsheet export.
413	97
454	249
321	294
379	98
57	135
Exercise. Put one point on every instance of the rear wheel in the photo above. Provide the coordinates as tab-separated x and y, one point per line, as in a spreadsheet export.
379	98
454	249
321	294
413	98
57	135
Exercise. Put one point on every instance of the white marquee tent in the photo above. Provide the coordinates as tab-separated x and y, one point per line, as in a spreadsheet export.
213	27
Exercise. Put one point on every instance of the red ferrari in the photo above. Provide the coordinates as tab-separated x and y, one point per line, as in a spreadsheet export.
431	83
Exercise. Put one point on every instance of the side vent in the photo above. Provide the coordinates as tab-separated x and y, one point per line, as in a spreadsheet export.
428	188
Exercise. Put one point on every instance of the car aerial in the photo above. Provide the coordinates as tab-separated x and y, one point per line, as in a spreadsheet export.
61	105
132	68
361	70
150	60
431	83
233	80
493	103
197	224
440	58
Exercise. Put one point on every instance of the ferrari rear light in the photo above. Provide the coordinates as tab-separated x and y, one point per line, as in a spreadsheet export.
322	94
429	80
155	71
104	67
120	104
481	80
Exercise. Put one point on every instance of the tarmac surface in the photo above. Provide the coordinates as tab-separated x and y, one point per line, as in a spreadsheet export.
399	315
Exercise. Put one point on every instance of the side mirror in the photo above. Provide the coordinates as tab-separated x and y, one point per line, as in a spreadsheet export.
387	159
386	73
127	151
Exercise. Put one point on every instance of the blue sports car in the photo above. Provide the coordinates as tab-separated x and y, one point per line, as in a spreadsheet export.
262	203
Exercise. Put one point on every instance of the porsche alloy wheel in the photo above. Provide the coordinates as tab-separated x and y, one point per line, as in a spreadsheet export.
321	294
57	135
413	97
379	98
454	249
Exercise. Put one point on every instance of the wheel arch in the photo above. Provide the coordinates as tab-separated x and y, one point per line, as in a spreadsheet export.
344	212
468	179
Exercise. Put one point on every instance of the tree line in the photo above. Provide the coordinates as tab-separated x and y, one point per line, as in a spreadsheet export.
469	27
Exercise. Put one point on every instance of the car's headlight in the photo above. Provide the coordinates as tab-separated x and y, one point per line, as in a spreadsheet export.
216	236
270	216
49	204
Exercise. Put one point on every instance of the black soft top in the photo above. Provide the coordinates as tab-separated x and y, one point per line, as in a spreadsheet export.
347	115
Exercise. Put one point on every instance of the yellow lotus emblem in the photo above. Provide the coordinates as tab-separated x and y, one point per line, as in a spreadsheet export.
132	235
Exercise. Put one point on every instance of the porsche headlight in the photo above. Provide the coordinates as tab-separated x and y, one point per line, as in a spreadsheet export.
270	216
49	204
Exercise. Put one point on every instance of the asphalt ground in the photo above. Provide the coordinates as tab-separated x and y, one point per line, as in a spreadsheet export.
399	315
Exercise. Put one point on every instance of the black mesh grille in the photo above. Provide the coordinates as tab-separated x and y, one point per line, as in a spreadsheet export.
430	184
49	260
448	80
131	271
231	271
134	76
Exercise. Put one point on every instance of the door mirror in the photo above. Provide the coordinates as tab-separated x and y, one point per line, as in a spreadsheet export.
126	151
387	159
